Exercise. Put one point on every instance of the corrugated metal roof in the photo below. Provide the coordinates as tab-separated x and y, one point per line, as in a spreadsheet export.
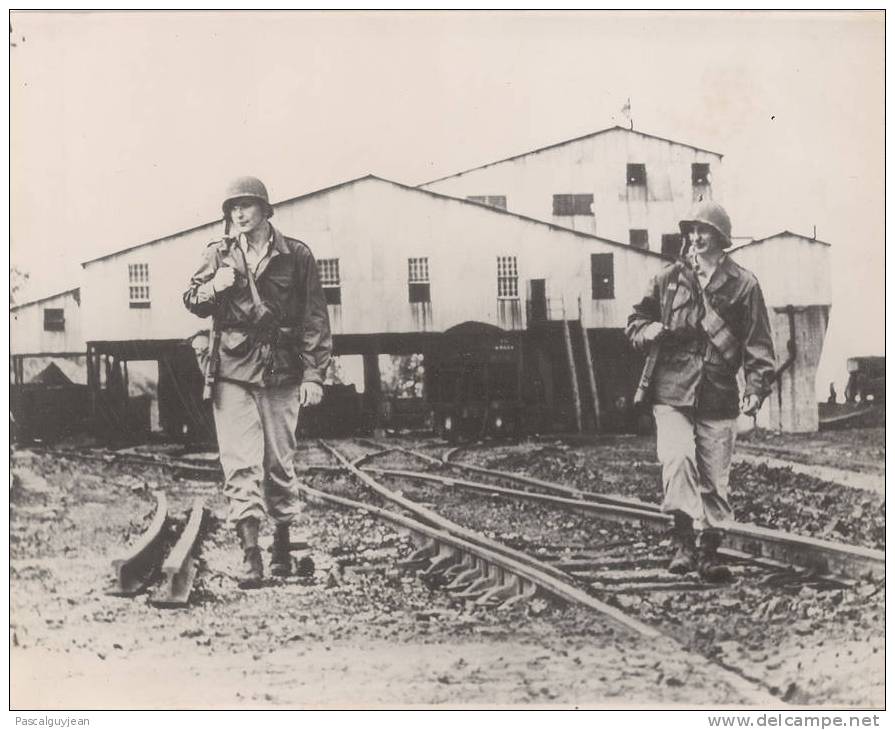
570	141
75	291
778	235
410	188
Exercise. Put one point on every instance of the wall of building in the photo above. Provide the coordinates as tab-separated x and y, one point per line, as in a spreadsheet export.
26	327
795	278
597	165
373	227
793	270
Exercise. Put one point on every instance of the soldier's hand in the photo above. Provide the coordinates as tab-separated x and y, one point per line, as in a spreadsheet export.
310	394
223	278
750	405
652	332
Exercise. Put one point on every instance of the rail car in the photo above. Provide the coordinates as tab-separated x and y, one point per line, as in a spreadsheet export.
476	383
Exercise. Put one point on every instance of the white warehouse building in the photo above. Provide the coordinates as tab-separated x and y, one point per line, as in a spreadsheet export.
618	183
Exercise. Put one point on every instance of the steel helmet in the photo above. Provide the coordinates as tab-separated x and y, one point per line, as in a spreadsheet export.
711	214
246	187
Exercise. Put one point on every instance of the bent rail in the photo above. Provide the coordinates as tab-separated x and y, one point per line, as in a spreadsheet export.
134	569
179	569
451	547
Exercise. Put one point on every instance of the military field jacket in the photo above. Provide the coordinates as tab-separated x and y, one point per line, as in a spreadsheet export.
294	342
690	372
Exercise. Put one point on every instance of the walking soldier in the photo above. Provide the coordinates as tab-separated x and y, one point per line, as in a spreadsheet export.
714	322
273	344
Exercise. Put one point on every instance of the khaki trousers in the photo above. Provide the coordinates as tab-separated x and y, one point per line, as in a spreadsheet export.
256	439
695	454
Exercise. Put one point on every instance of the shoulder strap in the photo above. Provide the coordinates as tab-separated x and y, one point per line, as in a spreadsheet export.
253	288
668	301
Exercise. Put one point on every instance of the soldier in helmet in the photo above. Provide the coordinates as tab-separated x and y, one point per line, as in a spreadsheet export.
264	292
708	316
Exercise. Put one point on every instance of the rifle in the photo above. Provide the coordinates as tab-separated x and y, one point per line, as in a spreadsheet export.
213	363
649	367
214	360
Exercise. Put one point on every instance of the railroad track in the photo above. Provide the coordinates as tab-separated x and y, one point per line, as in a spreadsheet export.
603	571
759	554
619	569
773	549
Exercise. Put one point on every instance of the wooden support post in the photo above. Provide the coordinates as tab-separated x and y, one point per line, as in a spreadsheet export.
573	372
372	390
591	375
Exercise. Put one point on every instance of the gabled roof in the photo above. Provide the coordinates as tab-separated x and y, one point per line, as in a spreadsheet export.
570	141
778	235
412	189
211	223
76	291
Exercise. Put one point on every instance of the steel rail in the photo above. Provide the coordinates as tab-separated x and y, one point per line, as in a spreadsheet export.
184	468
180	567
134	569
525	572
433	518
764	546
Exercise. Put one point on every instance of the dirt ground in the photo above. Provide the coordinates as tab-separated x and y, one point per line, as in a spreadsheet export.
364	633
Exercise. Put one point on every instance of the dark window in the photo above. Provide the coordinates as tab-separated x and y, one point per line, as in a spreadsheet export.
418	293
138	286
330	280
418	279
495	201
671	244
602	276
636	174
507	278
54	320
639	238
576	204
701	173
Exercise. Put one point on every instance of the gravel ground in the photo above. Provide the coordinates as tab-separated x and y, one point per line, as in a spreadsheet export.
363	633
359	634
766	496
762	628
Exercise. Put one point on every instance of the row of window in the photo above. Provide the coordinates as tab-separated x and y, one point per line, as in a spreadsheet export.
671	242
331	281
566	204
602	278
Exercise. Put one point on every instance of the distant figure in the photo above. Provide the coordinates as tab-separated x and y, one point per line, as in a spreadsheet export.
709	315
264	293
832	398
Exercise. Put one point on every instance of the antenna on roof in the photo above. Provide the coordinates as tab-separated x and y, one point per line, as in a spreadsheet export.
626	113
814	236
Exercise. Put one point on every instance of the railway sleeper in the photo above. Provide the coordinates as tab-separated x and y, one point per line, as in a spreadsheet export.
473	578
466	578
466	562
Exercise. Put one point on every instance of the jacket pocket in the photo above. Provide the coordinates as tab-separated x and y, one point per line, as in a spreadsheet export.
235	343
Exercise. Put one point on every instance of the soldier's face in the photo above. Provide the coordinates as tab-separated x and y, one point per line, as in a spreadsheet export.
705	240
246	214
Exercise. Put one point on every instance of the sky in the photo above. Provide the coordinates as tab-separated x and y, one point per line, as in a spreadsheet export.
125	126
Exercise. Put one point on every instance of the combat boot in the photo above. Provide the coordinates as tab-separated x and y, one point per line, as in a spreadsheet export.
683	540
711	568
252	573
281	557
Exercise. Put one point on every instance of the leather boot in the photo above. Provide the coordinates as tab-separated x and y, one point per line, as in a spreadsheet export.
683	540
711	568
252	573
281	557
